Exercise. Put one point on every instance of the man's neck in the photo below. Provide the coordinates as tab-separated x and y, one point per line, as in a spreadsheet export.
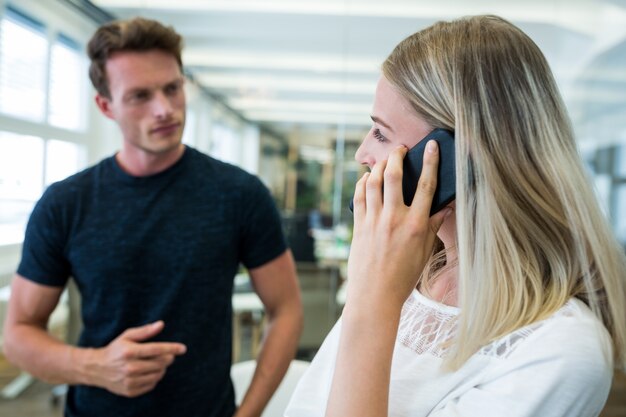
139	163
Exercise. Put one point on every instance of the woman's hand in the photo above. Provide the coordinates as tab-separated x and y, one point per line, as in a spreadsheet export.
390	246
391	242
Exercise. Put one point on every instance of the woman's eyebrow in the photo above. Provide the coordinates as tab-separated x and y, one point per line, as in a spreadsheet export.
380	122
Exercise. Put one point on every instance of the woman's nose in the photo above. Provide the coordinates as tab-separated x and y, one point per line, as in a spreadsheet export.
362	155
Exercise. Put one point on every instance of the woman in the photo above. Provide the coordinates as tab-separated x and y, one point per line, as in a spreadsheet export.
509	301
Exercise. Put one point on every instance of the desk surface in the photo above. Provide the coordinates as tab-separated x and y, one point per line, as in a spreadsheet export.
246	301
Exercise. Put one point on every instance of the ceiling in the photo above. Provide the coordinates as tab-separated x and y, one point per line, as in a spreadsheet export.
311	67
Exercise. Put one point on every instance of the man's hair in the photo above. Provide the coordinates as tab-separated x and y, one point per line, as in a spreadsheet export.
137	34
530	233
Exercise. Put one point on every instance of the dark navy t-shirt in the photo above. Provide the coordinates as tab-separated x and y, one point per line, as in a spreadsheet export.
164	247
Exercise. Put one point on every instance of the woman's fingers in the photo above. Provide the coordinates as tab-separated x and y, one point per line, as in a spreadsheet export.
427	183
391	242
368	195
393	178
358	201
373	187
438	218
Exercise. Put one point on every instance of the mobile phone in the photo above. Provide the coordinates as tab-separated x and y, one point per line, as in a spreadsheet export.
446	174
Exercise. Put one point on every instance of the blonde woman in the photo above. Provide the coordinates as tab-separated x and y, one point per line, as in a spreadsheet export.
508	302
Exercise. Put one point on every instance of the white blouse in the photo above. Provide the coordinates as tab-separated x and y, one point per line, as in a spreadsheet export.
558	367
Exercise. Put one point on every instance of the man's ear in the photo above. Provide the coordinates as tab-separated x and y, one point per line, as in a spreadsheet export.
104	104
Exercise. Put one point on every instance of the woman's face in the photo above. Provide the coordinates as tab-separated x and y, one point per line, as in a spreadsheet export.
395	124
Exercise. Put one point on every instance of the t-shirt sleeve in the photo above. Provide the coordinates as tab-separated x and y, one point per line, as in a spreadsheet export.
43	259
540	379
262	237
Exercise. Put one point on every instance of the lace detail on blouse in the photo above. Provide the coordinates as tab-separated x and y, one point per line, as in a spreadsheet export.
506	345
425	327
428	327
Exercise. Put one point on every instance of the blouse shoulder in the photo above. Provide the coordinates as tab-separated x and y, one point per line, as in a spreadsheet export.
572	331
429	327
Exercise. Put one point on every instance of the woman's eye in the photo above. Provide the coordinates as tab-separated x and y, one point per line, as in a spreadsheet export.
379	136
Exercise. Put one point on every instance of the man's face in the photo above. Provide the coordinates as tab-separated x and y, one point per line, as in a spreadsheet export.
147	100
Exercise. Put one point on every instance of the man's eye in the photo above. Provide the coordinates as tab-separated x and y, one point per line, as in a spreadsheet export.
140	96
172	89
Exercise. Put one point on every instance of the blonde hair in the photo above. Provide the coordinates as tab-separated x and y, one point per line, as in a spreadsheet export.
530	233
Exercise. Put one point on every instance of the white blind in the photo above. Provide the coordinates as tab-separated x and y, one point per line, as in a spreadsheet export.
43	82
21	182
23	58
21	166
67	85
63	159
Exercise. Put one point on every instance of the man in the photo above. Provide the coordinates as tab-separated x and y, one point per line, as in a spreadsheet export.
153	237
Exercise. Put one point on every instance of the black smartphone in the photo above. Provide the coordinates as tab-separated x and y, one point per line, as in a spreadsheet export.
446	174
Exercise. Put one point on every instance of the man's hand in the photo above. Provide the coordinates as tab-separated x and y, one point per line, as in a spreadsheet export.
129	367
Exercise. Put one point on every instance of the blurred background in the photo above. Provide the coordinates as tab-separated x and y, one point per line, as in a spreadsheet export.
282	88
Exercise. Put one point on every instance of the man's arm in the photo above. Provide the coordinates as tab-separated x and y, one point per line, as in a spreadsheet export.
126	366
276	284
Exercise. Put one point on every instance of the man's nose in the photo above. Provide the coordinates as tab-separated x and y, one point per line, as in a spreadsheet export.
161	106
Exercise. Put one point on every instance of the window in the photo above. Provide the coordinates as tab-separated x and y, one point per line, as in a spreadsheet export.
27	165
43	93
23	57
67	93
21	182
63	159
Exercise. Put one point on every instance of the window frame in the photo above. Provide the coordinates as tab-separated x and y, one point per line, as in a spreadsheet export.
56	31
